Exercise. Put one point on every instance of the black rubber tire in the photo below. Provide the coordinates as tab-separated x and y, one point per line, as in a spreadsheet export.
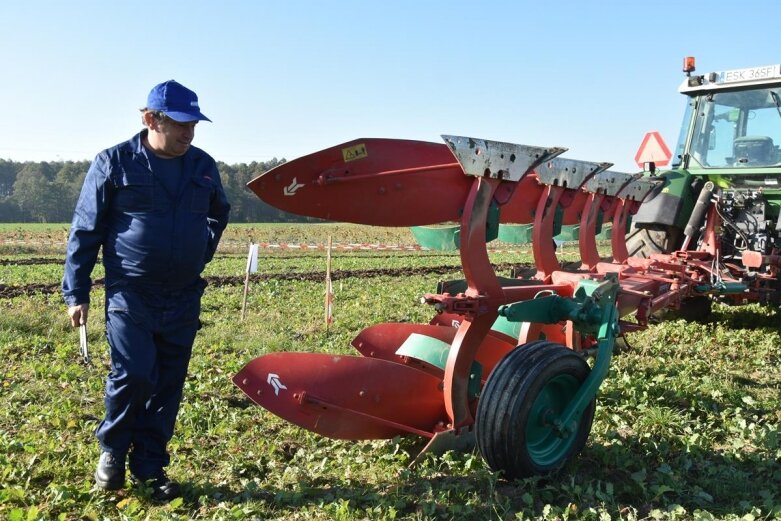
506	404
652	238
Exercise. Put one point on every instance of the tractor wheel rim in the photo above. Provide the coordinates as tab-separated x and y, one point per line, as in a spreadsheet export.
545	446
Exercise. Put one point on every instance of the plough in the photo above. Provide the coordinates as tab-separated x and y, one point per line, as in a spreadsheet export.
502	363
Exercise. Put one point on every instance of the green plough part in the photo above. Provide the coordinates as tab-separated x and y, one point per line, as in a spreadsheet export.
448	238
434	352
444	238
515	233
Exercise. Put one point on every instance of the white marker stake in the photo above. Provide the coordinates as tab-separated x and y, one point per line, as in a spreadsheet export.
252	267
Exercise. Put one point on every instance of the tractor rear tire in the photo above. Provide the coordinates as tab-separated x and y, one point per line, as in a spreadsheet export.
531	384
652	238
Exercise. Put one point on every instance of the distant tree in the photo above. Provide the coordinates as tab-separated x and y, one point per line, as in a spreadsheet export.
67	182
231	186
34	192
8	170
10	212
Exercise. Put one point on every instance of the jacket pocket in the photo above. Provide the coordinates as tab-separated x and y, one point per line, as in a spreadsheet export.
201	194
134	192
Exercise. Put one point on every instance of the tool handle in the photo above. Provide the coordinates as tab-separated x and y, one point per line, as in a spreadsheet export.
83	351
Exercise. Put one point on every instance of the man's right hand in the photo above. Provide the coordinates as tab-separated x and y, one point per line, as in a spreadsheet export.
78	314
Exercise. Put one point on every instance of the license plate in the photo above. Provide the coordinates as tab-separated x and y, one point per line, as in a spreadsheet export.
750	74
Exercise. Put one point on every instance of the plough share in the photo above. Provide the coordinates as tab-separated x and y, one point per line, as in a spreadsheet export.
502	363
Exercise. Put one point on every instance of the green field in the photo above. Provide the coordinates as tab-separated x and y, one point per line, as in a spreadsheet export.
687	423
51	238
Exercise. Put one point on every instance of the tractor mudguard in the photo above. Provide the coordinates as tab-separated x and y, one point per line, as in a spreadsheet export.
673	203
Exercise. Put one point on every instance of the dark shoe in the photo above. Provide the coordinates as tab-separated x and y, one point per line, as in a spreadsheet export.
110	474
163	488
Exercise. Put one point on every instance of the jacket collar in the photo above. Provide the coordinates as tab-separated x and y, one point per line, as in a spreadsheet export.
140	153
136	148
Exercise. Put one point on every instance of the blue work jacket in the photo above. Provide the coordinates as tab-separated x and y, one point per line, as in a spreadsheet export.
150	237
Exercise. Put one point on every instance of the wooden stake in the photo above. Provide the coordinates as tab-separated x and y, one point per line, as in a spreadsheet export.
328	287
244	300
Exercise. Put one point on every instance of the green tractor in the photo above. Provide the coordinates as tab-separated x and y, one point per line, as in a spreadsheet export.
728	156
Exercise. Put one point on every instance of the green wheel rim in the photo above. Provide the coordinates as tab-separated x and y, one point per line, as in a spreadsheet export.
545	446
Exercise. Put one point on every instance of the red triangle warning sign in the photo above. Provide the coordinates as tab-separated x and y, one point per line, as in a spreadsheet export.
653	148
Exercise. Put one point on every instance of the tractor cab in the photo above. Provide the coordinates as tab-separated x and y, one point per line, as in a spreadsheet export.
732	121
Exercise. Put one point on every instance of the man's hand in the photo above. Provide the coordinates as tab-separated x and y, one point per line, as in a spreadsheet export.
78	314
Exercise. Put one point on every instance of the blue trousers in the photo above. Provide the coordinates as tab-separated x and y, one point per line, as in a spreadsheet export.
151	335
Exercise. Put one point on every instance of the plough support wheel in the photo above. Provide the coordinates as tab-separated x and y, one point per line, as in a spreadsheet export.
516	426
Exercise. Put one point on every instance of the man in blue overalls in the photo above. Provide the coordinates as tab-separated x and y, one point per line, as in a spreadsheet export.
156	206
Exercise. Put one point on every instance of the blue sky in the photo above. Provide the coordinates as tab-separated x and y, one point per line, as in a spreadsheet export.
286	78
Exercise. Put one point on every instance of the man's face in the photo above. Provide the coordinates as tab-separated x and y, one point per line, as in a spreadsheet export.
170	138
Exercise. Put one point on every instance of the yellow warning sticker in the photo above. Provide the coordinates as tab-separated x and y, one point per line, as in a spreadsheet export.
354	152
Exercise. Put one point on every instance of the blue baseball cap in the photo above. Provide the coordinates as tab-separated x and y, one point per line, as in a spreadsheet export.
175	101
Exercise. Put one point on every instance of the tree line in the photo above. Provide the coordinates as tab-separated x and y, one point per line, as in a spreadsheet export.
46	192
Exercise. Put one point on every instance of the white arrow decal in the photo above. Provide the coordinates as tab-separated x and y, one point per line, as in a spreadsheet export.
292	187
273	380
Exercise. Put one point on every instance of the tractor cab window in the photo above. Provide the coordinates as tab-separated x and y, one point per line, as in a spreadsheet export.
680	148
737	129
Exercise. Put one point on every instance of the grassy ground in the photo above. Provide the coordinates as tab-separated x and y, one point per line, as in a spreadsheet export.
50	238
687	423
